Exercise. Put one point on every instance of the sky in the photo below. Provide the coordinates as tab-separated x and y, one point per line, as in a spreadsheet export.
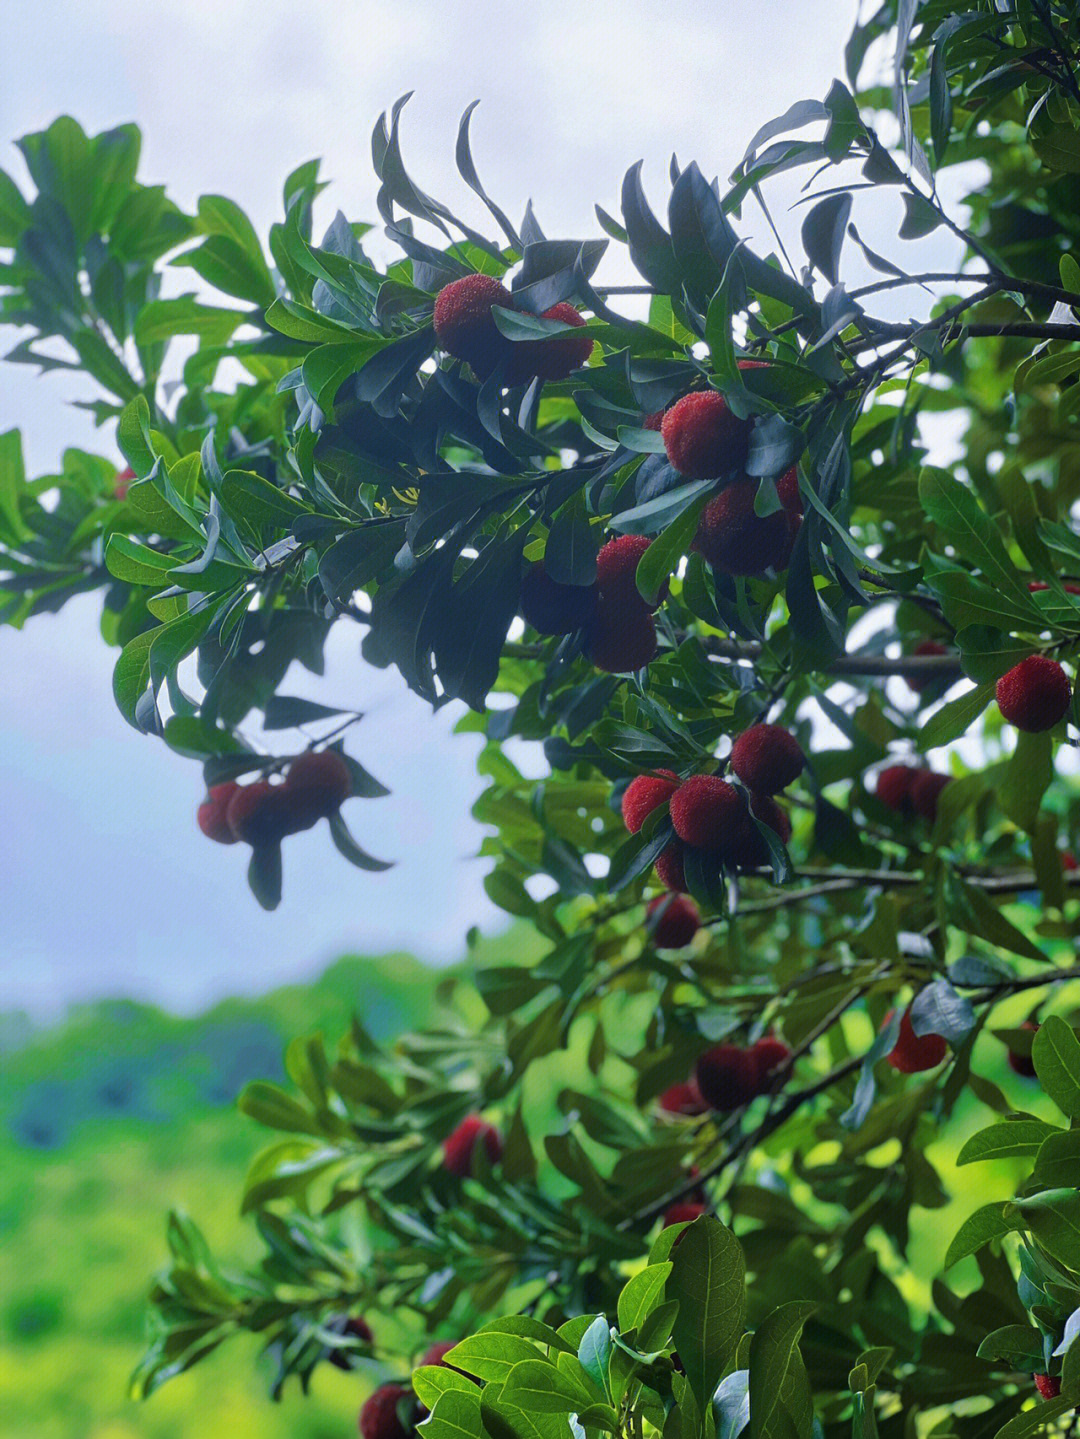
111	889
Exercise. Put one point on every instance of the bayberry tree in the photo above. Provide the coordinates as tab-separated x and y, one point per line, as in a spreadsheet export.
684	535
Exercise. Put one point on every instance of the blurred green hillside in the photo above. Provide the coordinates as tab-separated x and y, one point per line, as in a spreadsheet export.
106	1122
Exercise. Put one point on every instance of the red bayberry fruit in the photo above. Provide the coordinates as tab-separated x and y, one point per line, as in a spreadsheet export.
1023	1064
622	637
678	920
703	438
918	683
464	326
683	1213
926	787
727	1077
358	1329
1034	695
683	1099
259	813
438	1352
380	1417
459	1147
669	867
893	786
1069	586
616	570
644	793
552	608
123	483
913	1052
316	786
753	852
769	1054
1048	1385
212	815
653	421
787	492
1068	861
554	358
706	813
737	541
767	758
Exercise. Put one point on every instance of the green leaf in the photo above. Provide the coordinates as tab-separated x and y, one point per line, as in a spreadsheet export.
1019	1345
641	1294
1027	778
1057	1164
662	557
708	1281
273	1106
572	544
431	1381
771	1350
347	846
491	1356
1009	1139
1033	1421
538	1384
958	514
456	1415
163	319
955	718
1055	1051
980	1228
12	487
1053	1218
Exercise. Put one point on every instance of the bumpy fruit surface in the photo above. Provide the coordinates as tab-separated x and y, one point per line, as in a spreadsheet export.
1048	1385
1034	695
554	609
767	758
787	492
912	1053
893	786
644	793
653	421
706	812
727	1077
926	787
379	1417
553	358
919	683
616	571
459	1147
737	541
684	1213
684	1099
622	637
769	1055
669	867
316	786
464	326
679	920
703	438
212	815
1023	1064
259	813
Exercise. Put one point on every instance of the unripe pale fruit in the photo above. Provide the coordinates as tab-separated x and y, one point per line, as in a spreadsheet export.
316	786
727	1077
644	793
767	758
684	1213
678	920
437	1353
1034	695
259	813
703	438
926	787
464	326
123	483
706	812
459	1147
554	609
669	867
769	1055
616	571
554	358
684	1099
893	786
737	541
1023	1064
622	637
912	1053
380	1417
918	683
212	816
1048	1385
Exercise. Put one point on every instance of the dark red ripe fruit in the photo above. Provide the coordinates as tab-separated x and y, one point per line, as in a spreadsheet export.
1034	695
926	787
683	1099
1023	1064
622	638
669	867
123	483
644	793
379	1417
212	816
752	850
438	1352
787	492
706	812
703	438
1069	586
735	540
259	813
557	357
358	1329
1068	861
727	1077
653	421
1048	1385
316	786
458	1149
893	786
554	609
767	758
913	1052
616	568
684	1213
918	683
464	326
769	1053
677	924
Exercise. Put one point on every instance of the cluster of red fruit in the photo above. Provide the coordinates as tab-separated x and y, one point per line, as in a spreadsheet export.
262	814
620	631
911	789
711	815
466	329
728	1076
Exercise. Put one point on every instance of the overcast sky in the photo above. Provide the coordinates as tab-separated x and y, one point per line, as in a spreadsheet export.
110	887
